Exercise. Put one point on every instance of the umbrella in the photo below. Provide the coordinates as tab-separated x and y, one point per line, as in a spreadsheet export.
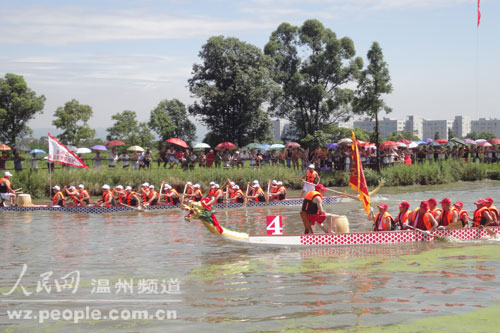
135	148
83	151
115	143
442	141
345	141
421	143
4	148
225	145
406	142
72	148
37	151
470	141
98	147
457	140
21	147
201	145
254	145
485	144
449	144
178	142
480	140
434	144
292	145
265	146
402	145
276	146
494	141
428	140
332	145
413	144
389	143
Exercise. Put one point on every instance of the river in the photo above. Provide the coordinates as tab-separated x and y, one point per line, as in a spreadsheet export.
124	262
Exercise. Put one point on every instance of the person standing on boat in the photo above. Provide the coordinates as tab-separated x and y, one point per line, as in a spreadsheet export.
383	220
58	198
310	179
312	211
404	215
422	219
493	210
435	211
6	191
463	215
449	215
481	215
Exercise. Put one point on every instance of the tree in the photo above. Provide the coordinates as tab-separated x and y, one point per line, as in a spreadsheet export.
313	69
169	120
18	105
436	136
231	84
72	119
401	135
374	82
451	134
486	135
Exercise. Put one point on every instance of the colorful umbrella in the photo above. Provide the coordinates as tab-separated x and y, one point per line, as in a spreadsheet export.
428	140
345	141
406	142
72	148
225	145
135	148
276	146
457	140
83	151
480	140
388	144
115	143
254	145
98	147
37	151
413	144
4	148
442	141
485	144
292	145
495	141
201	145
178	142
402	145
470	141
332	145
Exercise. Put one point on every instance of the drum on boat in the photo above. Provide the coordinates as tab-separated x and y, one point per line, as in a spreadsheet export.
340	224
24	200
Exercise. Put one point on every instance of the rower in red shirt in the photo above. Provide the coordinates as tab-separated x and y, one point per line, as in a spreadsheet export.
422	219
449	214
435	211
404	214
383	220
495	214
463	215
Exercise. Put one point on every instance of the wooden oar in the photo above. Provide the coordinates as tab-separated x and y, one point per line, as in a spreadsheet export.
422	231
267	194
227	194
246	195
135	208
342	193
18	189
183	193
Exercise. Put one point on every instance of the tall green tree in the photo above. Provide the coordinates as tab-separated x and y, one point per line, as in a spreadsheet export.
401	135
170	120
374	81
313	68
126	128
231	85
18	105
72	119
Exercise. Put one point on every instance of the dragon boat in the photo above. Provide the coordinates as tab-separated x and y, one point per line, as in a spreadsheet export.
338	239
103	210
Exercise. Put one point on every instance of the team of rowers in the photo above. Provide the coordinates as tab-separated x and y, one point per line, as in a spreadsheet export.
147	195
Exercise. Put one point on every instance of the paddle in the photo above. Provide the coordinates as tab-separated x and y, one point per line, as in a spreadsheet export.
338	192
183	193
422	231
227	194
135	208
18	189
267	194
246	194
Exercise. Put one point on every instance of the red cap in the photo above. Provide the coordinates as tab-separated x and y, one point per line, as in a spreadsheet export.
458	204
432	200
424	204
479	202
320	187
489	200
383	206
404	204
445	201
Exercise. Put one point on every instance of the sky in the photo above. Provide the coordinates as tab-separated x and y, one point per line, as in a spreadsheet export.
117	55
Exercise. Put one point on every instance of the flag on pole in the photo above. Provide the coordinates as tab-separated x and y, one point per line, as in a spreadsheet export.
357	180
60	154
478	12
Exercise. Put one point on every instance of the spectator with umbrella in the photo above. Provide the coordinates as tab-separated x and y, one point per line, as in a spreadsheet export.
97	158
34	159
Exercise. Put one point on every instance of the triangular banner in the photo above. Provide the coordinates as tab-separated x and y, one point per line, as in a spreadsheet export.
59	153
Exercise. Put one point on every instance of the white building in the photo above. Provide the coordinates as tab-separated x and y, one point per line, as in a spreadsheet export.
491	125
461	126
431	127
279	128
386	125
415	125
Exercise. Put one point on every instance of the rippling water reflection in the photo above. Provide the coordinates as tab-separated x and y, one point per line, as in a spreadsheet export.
234	287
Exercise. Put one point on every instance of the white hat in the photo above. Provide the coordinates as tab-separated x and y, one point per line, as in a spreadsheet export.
197	185
216	185
189	183
120	187
72	187
7	174
311	166
274	182
105	186
280	183
151	186
236	187
81	186
145	184
232	183
255	182
212	183
237	152
211	150
256	185
128	188
57	188
168	187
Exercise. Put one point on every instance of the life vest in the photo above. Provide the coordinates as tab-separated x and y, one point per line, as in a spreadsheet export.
308	205
478	217
218	195
435	210
154	194
189	190
131	201
275	189
261	196
311	176
381	221
198	195
211	192
446	218
494	211
87	198
463	216
174	200
282	196
4	187
106	196
426	220
403	218
239	196
145	195
58	199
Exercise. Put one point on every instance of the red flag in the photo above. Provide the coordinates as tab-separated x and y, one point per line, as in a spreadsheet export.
478	12
357	180
59	153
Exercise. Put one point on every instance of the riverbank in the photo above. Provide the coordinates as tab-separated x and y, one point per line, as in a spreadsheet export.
443	172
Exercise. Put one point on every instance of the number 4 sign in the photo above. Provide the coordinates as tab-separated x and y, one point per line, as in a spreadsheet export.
274	225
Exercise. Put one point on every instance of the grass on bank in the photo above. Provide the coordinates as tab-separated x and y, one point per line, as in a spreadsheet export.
443	172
